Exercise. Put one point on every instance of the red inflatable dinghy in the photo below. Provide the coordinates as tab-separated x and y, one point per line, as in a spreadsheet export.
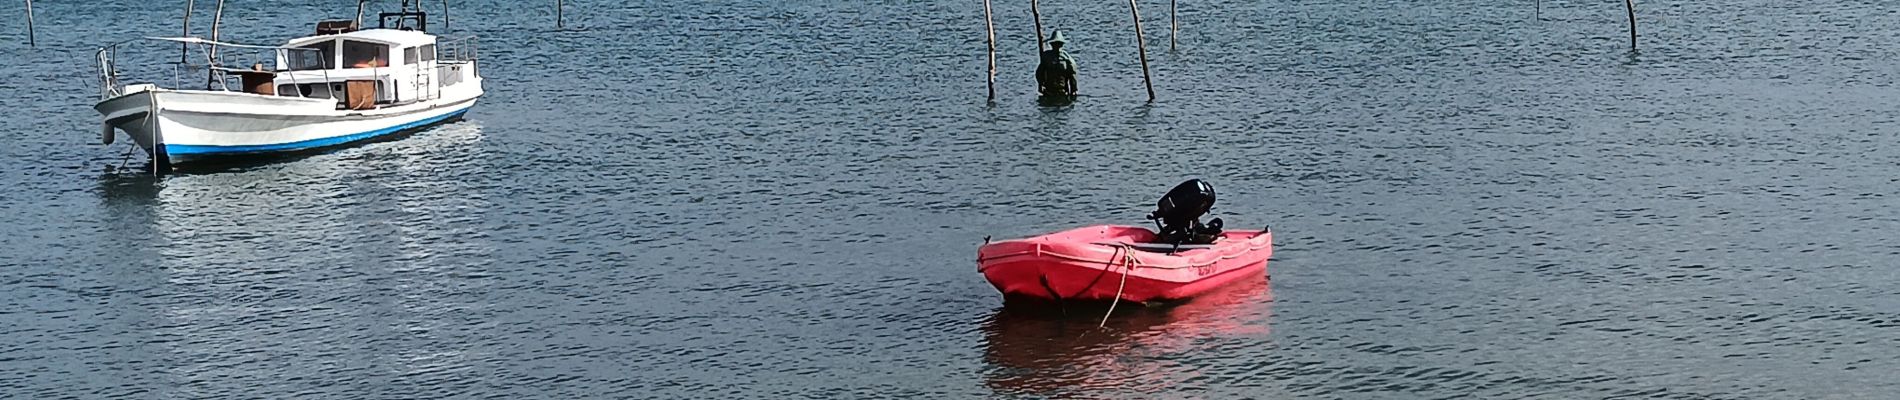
1098	263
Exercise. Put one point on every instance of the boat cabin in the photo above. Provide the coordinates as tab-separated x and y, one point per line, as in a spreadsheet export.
363	69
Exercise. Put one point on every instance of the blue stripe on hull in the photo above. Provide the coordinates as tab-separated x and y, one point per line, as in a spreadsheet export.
200	150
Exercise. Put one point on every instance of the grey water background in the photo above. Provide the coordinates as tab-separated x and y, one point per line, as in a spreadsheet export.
718	199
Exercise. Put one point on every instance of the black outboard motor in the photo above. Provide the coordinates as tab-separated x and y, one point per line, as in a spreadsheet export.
1179	214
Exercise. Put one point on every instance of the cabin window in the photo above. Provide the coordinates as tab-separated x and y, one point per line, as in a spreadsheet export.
365	54
428	52
317	56
409	56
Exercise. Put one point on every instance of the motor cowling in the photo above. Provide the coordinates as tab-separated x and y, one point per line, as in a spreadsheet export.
1179	214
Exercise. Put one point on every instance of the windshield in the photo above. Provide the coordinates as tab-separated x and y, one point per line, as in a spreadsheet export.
319	56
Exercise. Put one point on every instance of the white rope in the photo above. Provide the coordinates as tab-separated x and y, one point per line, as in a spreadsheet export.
1129	263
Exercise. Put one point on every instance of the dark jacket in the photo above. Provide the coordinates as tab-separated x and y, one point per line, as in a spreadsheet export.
1056	74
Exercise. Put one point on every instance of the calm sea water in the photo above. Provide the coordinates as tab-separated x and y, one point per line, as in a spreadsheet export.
782	199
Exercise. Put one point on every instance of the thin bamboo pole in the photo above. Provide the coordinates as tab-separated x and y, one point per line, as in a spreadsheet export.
32	37
1141	44
184	49
1631	4
1035	10
211	50
989	20
1174	26
216	19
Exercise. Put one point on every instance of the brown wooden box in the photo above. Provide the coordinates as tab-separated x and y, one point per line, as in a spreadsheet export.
258	82
359	95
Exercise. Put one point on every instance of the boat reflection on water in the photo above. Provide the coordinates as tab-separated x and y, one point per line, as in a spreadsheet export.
1140	351
373	254
128	192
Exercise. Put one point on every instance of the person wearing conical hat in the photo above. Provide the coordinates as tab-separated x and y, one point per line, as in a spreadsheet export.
1055	76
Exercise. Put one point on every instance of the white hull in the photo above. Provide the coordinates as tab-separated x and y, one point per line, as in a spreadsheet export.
195	125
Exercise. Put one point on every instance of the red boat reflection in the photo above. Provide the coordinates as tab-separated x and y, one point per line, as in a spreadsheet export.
1141	352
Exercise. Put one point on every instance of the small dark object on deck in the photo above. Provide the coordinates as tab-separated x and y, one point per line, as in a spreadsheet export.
1179	214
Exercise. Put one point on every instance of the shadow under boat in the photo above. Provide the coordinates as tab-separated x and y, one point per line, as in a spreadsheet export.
128	189
1046	350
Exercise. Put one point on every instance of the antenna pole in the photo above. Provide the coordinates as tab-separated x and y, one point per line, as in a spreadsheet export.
359	13
560	18
445	16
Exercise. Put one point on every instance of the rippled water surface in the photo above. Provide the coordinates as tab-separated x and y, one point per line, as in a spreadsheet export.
782	199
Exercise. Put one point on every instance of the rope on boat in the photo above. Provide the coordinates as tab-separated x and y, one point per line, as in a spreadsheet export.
1129	263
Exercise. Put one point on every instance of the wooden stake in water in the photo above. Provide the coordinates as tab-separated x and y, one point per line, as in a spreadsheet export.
32	38
560	18
1174	26
1035	11
1631	4
211	50
1539	14
990	21
1141	44
184	49
216	18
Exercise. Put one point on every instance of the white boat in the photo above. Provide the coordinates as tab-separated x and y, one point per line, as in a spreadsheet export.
341	86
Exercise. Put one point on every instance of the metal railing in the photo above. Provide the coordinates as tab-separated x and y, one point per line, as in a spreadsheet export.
457	50
451	56
108	72
214	61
